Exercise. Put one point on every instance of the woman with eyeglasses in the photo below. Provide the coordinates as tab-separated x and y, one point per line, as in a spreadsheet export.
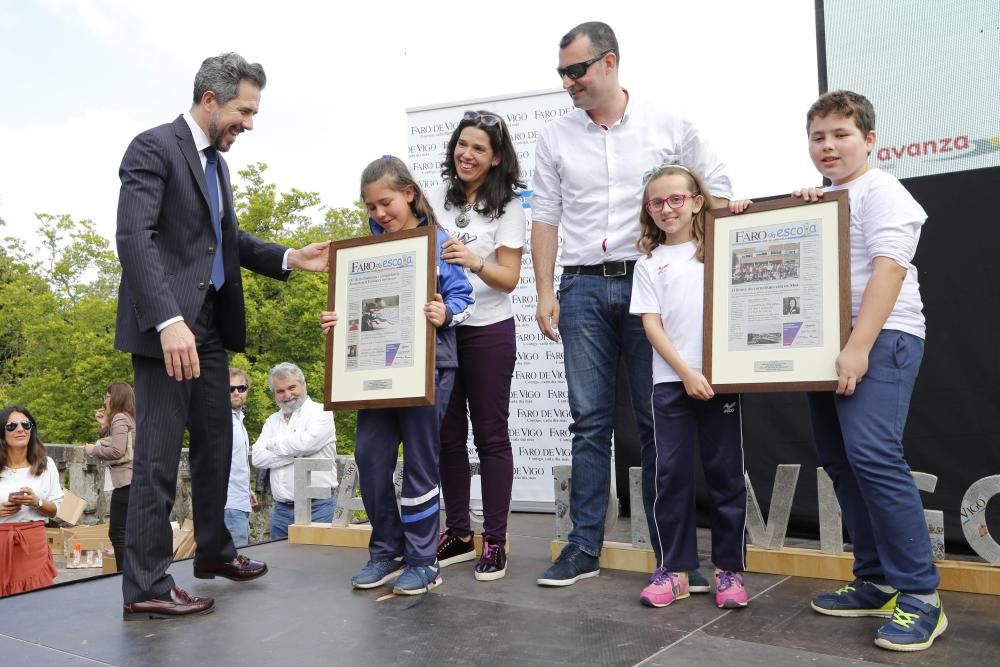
116	440
477	204
30	494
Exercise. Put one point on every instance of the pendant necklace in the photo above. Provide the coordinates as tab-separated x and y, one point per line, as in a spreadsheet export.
462	221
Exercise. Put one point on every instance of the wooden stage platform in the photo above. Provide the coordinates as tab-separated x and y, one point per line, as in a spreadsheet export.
304	612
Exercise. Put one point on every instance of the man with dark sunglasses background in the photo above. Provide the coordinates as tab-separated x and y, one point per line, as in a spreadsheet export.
240	499
588	185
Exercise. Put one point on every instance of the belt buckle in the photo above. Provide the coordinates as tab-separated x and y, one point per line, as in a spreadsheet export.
615	266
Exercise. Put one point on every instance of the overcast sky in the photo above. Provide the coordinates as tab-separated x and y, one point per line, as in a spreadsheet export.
82	77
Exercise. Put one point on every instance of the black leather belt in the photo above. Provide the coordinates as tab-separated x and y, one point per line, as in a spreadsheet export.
608	269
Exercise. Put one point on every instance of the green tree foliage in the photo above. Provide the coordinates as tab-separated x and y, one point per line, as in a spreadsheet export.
58	303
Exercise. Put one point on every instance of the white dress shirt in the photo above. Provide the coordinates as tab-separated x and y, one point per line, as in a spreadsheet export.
588	180
307	434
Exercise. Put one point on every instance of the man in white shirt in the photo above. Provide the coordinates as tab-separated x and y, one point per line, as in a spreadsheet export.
240	499
301	428
588	184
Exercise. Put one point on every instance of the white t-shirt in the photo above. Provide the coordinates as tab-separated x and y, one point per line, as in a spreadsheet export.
46	486
885	222
483	236
671	283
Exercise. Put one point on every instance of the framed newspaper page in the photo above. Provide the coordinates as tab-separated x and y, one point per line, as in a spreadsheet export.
381	352
777	295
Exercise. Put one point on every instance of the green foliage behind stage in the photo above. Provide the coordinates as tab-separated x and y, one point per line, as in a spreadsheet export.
58	296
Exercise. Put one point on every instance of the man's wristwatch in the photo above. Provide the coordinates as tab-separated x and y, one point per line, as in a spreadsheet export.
39	503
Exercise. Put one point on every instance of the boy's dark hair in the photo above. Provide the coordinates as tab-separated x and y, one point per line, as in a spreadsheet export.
602	37
847	104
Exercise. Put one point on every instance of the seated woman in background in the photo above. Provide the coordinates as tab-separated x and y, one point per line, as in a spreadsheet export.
30	494
117	421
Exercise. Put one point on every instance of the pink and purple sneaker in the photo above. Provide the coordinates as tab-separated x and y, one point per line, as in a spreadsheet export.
729	591
664	588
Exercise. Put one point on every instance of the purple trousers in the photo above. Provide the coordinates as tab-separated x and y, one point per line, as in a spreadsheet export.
486	357
679	422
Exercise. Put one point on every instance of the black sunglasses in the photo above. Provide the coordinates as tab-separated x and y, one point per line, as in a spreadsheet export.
242	388
576	70
25	424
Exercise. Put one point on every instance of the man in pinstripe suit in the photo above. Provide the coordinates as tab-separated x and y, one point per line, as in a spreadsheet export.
180	306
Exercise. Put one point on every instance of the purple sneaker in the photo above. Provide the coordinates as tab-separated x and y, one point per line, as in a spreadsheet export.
664	588
493	563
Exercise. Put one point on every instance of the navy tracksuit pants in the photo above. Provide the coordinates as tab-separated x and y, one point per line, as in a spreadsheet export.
679	422
411	530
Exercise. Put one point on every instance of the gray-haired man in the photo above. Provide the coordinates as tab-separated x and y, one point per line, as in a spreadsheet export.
301	428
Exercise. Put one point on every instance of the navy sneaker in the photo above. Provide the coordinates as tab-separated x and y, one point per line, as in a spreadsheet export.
697	583
417	579
858	598
571	566
914	625
376	573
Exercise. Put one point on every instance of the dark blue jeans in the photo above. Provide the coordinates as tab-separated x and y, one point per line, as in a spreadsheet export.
859	439
596	330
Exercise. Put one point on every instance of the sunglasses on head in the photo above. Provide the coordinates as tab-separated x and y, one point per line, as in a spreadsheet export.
576	70
487	118
242	388
25	424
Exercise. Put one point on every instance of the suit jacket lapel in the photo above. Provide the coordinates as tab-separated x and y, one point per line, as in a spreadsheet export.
186	142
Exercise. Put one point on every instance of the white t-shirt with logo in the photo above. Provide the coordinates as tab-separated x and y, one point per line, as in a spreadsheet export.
671	283
483	236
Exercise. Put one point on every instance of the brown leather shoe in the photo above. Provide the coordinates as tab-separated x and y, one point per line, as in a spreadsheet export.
180	604
240	568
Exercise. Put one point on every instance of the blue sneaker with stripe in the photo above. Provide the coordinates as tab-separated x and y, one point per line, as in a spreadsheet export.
858	598
377	572
914	625
417	579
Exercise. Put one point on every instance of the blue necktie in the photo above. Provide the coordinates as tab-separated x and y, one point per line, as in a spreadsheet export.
212	183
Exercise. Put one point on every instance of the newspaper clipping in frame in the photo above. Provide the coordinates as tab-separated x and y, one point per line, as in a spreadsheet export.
380	325
776	287
539	410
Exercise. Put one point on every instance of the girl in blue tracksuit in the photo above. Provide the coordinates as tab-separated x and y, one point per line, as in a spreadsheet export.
403	545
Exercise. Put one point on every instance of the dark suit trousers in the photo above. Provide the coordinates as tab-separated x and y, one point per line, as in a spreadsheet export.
164	407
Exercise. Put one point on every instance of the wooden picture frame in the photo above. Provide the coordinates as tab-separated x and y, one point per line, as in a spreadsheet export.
381	353
777	294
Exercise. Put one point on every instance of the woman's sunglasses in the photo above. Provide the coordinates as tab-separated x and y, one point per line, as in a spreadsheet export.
25	424
487	118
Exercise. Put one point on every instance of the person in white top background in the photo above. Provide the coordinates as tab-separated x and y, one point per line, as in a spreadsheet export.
669	293
301	428
240	499
588	190
30	495
477	204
